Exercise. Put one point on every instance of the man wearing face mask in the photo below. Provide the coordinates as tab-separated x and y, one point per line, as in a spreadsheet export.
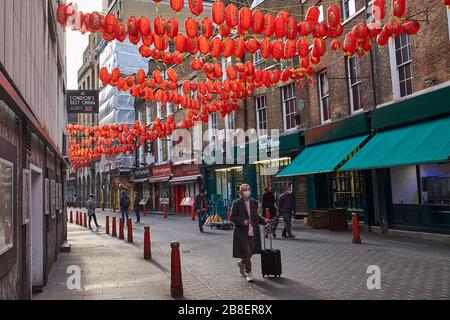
286	207
246	237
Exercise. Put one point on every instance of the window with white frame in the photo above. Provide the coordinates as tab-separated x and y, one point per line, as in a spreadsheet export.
288	96
354	83
325	112
229	125
321	16
261	114
258	61
348	8
148	115
212	125
401	66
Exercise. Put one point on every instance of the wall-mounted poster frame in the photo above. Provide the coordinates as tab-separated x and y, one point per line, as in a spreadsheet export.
26	196
53	198
6	205
47	196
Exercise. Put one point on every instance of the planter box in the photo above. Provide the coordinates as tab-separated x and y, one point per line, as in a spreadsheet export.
337	219
319	219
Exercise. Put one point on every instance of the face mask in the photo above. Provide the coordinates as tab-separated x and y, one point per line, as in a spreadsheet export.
247	194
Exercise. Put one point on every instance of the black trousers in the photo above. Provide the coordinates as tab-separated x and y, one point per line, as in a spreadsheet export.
95	220
247	261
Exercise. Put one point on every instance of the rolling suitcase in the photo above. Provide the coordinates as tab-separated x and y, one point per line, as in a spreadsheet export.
270	260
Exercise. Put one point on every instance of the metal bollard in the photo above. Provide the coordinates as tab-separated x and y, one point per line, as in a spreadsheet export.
147	244
130	230
114	230
176	283
121	226
76	219
71	216
107	225
85	220
355	229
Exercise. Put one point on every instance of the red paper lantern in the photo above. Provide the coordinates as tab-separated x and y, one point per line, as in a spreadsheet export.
251	45
173	76
133	26
216	47
333	16
196	64
121	32
180	43
412	27
228	47
335	45
378	12
277	50
203	45
161	42
196	6
160	26
224	30
360	31
265	48
280	27
192	45
110	23
398	8
382	39
291	28
349	45
144	51
312	15
177	5
61	14
191	27
239	47
172	27
218	12
269	25
232	15
207	27
94	21
258	22
304	28
290	49
144	26
303	47
245	19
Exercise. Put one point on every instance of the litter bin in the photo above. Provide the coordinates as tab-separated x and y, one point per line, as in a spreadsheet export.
337	219
319	219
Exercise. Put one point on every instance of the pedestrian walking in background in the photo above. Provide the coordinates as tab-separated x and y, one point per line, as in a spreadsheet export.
286	208
90	206
268	203
201	207
246	236
124	205
136	208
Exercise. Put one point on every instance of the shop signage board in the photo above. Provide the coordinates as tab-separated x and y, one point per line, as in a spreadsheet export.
164	170
186	170
82	101
143	201
164	201
141	173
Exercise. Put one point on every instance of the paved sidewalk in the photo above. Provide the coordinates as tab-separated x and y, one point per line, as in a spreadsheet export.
318	264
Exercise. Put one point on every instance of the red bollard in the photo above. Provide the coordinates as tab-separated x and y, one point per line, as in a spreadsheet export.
76	221
147	244
176	284
193	213
130	230
165	211
121	226
107	225
85	220
71	217
114	231
355	229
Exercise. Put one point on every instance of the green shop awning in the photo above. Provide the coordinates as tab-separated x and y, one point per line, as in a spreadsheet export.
425	142
322	158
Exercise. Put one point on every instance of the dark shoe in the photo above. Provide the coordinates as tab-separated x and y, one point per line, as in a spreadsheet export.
201	230
267	237
291	236
284	236
274	235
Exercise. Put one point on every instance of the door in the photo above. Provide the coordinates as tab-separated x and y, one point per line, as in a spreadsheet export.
37	229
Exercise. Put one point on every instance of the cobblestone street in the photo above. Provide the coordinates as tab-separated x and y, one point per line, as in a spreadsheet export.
316	265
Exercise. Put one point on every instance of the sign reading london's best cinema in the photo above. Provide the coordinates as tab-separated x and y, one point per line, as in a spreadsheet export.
82	101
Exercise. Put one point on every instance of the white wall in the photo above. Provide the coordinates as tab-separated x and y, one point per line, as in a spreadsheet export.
32	65
404	185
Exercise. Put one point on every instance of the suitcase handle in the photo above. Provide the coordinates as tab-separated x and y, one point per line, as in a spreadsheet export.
270	238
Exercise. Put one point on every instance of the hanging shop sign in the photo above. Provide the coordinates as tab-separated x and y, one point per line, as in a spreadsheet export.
82	101
141	174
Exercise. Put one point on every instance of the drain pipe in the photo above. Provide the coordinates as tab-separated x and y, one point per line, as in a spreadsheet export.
372	67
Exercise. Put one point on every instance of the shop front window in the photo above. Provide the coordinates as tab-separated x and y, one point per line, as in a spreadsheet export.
435	184
404	185
263	179
348	190
6	203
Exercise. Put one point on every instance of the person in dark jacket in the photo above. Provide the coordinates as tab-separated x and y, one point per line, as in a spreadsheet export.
137	208
90	206
268	203
201	208
124	205
246	236
286	208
